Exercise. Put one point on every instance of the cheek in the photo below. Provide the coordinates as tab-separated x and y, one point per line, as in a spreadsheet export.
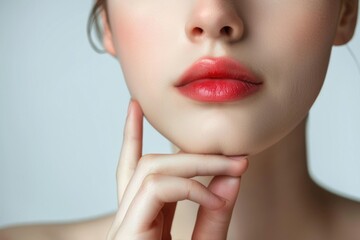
134	45
139	41
297	50
292	52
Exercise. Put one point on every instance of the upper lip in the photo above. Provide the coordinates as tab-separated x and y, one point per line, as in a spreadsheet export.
217	68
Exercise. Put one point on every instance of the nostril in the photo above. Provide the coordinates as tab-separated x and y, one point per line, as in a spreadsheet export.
226	30
197	31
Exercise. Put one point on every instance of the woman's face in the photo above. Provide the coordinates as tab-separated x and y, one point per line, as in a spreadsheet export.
286	43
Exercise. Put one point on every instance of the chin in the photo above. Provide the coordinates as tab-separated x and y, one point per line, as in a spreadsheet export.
228	141
216	146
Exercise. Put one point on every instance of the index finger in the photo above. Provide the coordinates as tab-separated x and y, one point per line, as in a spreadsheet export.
131	150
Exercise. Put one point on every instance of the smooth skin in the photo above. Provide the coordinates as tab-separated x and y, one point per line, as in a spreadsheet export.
150	187
278	199
159	183
287	44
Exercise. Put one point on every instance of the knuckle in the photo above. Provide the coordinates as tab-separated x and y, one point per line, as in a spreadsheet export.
151	181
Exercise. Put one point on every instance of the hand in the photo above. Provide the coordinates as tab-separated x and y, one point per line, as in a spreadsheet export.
149	187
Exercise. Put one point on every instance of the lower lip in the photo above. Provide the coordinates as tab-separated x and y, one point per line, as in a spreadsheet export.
218	90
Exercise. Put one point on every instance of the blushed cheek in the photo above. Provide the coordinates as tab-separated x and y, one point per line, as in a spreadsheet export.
133	43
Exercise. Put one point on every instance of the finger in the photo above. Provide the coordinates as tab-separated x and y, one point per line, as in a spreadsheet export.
160	189
131	150
180	165
214	224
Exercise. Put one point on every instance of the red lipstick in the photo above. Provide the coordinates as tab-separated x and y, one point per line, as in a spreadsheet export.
218	80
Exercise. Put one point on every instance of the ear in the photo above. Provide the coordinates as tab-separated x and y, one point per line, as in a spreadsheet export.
107	35
347	21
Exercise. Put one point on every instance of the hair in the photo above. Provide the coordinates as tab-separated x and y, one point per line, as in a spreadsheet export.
93	21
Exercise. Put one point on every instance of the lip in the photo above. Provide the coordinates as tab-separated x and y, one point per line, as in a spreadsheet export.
220	79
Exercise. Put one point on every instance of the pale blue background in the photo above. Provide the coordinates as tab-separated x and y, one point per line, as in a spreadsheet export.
62	111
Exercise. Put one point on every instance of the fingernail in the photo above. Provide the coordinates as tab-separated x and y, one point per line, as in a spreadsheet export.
238	158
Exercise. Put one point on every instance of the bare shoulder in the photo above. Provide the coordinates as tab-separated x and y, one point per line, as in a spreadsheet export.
83	230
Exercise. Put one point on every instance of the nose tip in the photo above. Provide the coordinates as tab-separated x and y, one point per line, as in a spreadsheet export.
215	22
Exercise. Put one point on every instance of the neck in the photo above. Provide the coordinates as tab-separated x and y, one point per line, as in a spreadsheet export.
277	196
